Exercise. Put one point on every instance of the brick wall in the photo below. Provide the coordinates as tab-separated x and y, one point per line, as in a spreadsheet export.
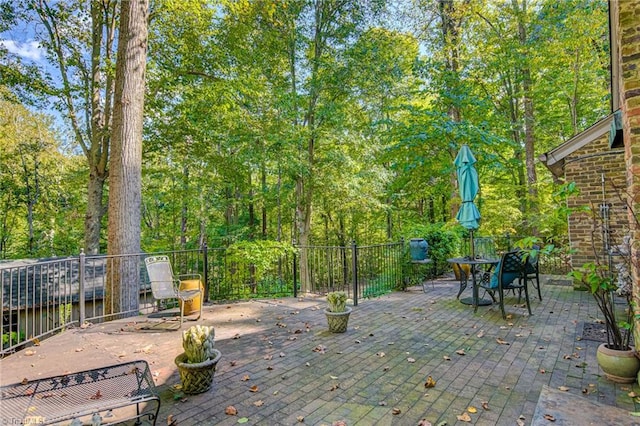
628	33
599	174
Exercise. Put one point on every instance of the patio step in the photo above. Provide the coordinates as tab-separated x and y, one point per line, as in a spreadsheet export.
568	409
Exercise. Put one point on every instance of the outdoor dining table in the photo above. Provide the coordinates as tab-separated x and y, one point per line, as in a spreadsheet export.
486	265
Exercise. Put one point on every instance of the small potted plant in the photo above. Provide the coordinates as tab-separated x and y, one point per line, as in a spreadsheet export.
617	358
337	311
197	363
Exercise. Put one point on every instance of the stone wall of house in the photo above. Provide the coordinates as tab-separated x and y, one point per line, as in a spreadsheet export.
599	174
628	32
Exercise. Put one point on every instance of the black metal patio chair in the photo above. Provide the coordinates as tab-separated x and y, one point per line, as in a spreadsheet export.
509	275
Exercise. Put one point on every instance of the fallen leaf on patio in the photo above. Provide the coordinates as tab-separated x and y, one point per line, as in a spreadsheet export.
461	352
386	369
447	358
635	413
381	354
503	327
339	423
298	331
430	382
520	422
599	321
549	417
320	349
292	338
46	395
357	341
275	392
334	377
424	422
307	364
485	405
24	381
411	360
566	357
146	349
464	417
236	336
396	411
300	419
472	410
268	357
79	349
481	334
243	420
253	388
282	355
259	403
382	403
501	342
585	391
245	378
171	421
563	388
269	367
518	335
334	387
29	352
632	394
96	395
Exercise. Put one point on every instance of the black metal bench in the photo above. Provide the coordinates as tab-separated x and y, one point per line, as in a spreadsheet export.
82	394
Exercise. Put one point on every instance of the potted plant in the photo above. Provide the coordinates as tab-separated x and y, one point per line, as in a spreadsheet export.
617	358
337	311
197	363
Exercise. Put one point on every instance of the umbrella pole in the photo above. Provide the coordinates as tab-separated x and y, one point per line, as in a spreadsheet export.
473	250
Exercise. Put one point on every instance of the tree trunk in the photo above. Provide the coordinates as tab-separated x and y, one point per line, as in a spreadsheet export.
450	28
126	160
529	138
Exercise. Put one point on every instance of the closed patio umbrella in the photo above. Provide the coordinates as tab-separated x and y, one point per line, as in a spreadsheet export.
468	215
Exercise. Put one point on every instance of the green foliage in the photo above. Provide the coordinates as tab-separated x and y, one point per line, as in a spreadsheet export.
444	242
64	314
337	301
12	338
598	280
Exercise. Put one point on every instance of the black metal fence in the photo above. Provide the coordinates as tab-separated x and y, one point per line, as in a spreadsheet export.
46	296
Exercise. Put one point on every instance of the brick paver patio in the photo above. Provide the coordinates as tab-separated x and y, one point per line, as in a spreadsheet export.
375	373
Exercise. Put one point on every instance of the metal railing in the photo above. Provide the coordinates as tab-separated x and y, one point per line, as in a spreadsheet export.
46	296
556	263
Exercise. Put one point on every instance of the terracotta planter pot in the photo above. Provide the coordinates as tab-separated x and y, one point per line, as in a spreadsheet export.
197	378
338	320
618	366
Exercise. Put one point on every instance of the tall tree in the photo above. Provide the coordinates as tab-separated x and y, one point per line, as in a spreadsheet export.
126	159
82	56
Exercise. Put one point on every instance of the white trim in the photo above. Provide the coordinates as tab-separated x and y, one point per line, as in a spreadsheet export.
578	141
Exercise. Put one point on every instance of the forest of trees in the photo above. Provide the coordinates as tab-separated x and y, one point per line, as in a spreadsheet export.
314	121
